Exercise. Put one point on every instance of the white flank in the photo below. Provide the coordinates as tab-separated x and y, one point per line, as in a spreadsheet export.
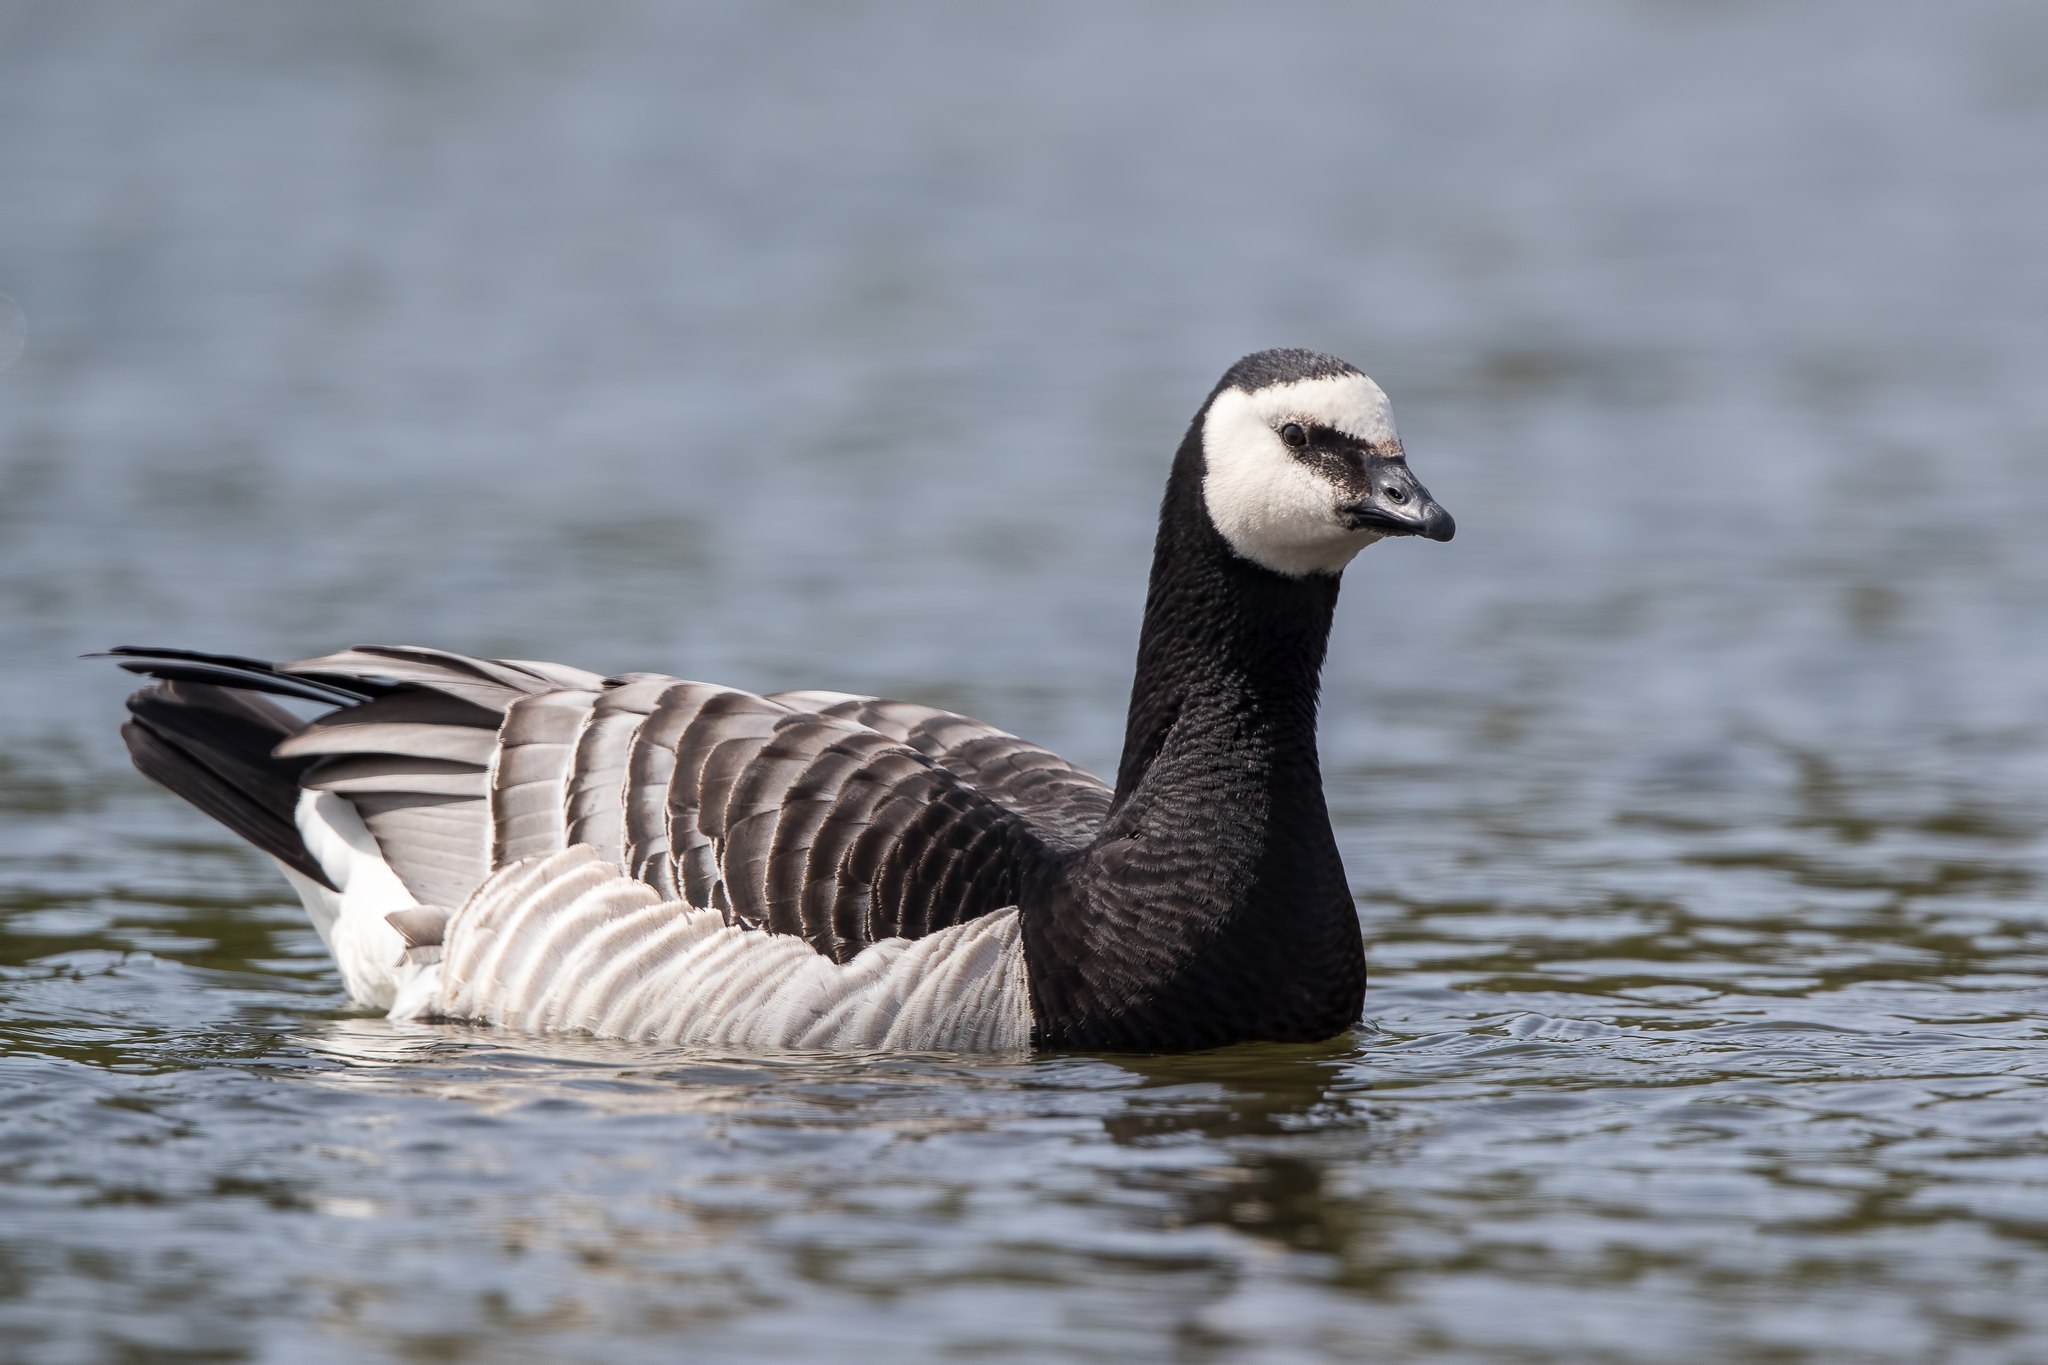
565	942
351	919
1273	509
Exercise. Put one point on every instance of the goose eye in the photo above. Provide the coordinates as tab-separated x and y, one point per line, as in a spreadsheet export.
1294	435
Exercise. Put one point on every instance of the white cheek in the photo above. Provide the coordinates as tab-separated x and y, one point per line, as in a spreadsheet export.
1273	509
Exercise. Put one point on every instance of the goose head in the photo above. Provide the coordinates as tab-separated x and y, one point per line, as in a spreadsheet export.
1302	467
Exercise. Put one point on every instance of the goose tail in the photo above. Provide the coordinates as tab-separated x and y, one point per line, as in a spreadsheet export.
213	746
207	729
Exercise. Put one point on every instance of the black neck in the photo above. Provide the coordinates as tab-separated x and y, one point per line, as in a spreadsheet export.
1214	899
1230	660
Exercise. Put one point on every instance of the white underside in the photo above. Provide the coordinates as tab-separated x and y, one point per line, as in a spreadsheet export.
350	920
566	942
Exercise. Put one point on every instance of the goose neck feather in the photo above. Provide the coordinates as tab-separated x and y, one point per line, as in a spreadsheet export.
1212	907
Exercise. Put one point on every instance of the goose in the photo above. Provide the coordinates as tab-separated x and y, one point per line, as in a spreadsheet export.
537	847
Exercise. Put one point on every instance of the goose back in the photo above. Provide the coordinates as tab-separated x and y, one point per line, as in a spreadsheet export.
836	819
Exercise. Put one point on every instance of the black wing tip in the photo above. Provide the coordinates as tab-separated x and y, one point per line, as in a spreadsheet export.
235	671
199	656
200	776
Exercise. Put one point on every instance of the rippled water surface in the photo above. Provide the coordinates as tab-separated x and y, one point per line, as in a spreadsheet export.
1694	797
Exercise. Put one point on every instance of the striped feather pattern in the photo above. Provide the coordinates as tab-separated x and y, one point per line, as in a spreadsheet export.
825	830
650	765
492	683
566	942
415	759
596	811
837	822
1029	779
530	785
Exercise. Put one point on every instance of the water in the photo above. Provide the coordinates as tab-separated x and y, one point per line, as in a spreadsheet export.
1694	797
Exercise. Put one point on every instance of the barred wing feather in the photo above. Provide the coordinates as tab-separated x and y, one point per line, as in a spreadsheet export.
565	941
840	822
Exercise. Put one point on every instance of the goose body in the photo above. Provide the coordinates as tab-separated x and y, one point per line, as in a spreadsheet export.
639	856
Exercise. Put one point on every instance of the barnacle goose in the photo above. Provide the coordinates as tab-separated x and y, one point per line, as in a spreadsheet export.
538	847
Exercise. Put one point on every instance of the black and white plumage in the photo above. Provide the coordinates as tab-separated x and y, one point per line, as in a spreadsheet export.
641	856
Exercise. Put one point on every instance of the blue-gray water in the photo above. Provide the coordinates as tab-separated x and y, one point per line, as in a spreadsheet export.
1694	798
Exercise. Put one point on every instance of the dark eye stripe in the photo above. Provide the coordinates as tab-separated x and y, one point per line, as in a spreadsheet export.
1313	435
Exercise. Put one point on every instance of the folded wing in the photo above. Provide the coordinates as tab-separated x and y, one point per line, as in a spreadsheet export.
842	821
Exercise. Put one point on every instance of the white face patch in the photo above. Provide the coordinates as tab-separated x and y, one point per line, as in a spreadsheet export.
1273	509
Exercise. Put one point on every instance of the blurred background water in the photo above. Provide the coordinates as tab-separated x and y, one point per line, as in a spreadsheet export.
1694	797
